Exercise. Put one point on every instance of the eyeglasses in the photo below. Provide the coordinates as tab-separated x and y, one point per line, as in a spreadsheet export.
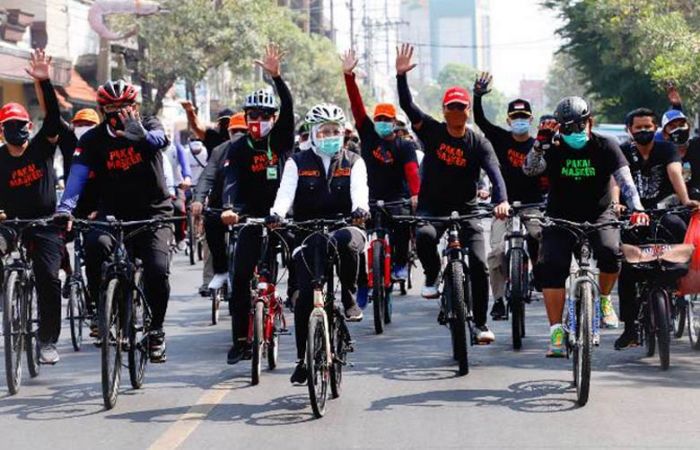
573	127
456	106
258	115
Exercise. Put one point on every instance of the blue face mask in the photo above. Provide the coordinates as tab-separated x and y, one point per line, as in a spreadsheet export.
520	126
329	146
576	140
384	129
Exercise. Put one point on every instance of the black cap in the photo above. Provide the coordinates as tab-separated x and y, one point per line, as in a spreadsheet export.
225	113
519	106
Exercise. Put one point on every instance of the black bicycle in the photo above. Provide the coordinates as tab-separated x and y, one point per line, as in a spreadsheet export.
77	310
124	313
20	310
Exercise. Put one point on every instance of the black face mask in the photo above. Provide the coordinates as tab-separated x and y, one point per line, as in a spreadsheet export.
114	121
680	136
16	132
643	137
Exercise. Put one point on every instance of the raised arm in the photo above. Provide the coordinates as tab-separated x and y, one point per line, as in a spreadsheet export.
404	64
359	113
193	122
481	88
271	63
39	69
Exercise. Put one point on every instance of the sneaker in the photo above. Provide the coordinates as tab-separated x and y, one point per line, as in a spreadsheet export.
429	292
94	328
610	319
48	353
237	352
218	281
627	339
353	314
484	335
204	290
498	310
362	296
596	338
556	342
300	374
156	346
400	273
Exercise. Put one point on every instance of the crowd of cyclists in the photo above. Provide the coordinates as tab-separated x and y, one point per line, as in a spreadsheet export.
259	163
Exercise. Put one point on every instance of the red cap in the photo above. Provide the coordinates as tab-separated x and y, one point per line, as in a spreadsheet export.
13	111
457	94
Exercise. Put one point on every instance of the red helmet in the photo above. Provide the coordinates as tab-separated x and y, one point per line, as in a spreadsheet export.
13	111
116	92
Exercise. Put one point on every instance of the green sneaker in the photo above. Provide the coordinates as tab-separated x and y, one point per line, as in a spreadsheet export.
556	342
607	312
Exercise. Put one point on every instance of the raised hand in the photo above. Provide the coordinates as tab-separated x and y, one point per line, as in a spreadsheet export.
187	105
39	65
272	60
482	82
404	56
133	128
672	93
349	60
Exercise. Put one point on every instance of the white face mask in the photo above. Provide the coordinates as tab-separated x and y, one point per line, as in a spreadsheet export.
305	145
196	147
80	131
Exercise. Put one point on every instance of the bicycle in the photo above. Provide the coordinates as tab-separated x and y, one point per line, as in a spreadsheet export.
20	309
79	297
329	340
195	239
125	317
456	303
693	313
221	295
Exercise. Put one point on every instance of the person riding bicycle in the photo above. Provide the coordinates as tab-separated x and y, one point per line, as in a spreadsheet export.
211	137
304	138
579	164
323	183
392	166
511	147
657	172
252	177
454	157
28	191
127	163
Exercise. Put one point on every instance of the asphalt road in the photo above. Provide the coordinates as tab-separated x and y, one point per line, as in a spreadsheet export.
403	392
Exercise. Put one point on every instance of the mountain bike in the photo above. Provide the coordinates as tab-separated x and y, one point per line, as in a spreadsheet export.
77	311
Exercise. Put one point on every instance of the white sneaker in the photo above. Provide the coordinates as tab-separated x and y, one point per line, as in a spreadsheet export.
429	292
218	281
484	335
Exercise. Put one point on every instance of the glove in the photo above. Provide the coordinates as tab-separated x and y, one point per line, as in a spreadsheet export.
133	129
61	219
273	220
639	218
359	215
544	140
481	85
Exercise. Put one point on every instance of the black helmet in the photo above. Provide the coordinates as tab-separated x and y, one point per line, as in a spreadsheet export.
572	110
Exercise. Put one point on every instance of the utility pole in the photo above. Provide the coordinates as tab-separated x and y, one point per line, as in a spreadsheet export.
368	44
351	6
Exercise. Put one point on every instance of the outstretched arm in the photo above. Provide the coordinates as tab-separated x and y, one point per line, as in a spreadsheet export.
271	64
359	113
193	121
404	64
39	69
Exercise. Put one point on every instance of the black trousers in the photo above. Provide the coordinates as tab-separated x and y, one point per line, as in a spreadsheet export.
350	244
45	248
472	237
671	229
154	252
215	232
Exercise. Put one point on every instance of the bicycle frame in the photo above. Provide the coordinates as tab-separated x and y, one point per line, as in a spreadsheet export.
379	233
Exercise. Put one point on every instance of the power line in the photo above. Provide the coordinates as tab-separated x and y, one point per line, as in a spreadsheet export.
467	46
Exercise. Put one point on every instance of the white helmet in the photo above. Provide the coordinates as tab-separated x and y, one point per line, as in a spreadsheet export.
261	99
324	113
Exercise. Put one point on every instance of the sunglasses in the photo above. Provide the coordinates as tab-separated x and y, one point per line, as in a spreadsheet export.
456	106
257	115
573	127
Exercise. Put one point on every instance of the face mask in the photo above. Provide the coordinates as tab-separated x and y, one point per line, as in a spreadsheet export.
329	146
643	137
196	147
259	129
520	126
456	119
80	131
305	145
16	132
384	129
114	121
680	136
576	140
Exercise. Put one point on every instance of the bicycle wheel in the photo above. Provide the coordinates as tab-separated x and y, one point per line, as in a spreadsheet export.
339	355
274	342
679	309
75	312
388	306
378	290
12	332
138	338
661	321
693	311
32	331
191	244
454	288
258	342
649	330
583	349
317	357
215	304
517	285
111	333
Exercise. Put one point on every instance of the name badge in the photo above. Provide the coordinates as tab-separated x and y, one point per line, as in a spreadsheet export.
272	173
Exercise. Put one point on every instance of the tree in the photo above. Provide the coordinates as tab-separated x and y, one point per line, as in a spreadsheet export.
565	79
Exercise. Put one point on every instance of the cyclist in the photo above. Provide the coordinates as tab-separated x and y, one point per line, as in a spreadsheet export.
252	177
304	135
579	165
212	137
127	163
511	147
657	172
454	156
391	162
324	182
28	191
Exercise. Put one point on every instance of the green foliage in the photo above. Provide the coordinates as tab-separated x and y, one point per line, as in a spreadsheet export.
565	79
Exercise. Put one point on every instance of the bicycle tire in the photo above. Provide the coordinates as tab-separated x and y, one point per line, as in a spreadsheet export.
111	335
138	339
516	303
215	305
75	316
583	350
378	290
258	342
191	246
388	306
32	332
693	313
659	301
274	342
649	331
12	332
339	356
458	321
317	365
679	309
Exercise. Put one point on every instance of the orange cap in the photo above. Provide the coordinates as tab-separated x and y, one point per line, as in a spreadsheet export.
86	115
385	109
237	122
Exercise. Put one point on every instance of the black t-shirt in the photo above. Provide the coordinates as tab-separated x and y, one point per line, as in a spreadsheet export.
28	182
691	164
385	160
129	175
650	175
579	180
451	167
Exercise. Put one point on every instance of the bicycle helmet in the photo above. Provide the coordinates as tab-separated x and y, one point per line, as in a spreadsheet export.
324	113
572	110
261	99
116	92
